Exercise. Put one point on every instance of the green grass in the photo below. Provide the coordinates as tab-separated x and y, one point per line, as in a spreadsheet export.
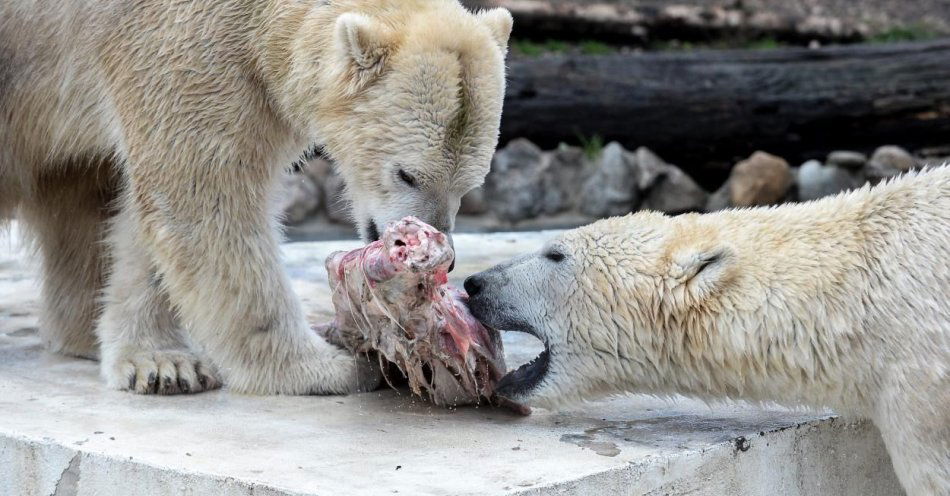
591	47
530	48
764	44
670	45
912	32
725	44
536	49
593	146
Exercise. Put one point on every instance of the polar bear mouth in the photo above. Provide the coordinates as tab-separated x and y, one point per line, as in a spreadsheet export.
519	383
522	381
372	232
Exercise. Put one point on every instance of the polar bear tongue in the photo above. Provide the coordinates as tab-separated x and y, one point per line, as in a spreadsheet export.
392	297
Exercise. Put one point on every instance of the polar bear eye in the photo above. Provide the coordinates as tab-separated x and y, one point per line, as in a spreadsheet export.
555	256
407	178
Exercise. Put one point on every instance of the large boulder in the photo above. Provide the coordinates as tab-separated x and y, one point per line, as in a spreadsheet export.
762	179
719	199
337	209
301	197
624	181
516	187
847	159
332	188
816	180
650	168
667	188
473	203
614	188
567	166
887	162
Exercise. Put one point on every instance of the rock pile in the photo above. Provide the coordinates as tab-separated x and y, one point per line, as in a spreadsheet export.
527	184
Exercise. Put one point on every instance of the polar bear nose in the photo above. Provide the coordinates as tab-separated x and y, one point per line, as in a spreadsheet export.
473	285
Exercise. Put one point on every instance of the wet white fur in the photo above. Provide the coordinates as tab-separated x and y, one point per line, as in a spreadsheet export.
839	303
176	119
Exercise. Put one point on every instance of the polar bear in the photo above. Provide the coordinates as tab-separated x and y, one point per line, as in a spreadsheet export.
837	303
163	127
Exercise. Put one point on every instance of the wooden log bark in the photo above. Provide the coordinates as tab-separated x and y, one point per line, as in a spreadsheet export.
638	22
701	107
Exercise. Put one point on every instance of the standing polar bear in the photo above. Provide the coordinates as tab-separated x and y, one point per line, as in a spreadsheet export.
163	127
840	302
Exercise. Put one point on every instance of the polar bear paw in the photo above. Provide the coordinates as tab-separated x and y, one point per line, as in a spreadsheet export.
162	372
338	372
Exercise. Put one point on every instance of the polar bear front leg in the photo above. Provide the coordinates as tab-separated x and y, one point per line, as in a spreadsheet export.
141	346
207	222
913	415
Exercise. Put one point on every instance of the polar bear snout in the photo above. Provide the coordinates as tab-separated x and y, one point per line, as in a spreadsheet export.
480	301
505	297
473	285
490	302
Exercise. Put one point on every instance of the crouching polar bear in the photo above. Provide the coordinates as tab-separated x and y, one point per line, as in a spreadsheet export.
163	127
840	302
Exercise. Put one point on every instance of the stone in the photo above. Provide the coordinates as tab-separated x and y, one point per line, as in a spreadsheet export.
934	162
762	179
330	188
318	168
516	187
719	200
337	209
304	195
473	203
566	167
63	432
676	193
650	168
887	162
301	197
614	188
816	180
847	159
667	188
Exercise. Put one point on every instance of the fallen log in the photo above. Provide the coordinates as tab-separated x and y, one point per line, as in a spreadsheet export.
640	22
706	106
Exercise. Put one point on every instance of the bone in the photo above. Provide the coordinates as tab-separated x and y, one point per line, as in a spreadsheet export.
392	299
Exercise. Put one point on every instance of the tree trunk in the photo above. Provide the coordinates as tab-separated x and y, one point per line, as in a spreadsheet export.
708	106
637	22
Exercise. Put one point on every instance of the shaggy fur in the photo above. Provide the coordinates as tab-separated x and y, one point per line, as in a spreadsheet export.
186	113
837	303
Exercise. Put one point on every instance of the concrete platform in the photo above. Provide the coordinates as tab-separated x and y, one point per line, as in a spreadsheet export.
62	433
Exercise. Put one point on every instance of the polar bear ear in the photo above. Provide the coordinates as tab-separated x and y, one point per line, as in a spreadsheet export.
362	40
500	23
702	271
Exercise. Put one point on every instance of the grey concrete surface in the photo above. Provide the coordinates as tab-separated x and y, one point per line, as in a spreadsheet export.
63	433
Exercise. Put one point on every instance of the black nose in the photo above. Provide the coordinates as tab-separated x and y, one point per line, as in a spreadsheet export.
473	285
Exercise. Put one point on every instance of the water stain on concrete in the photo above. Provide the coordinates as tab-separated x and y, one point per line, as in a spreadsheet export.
22	333
603	448
605	436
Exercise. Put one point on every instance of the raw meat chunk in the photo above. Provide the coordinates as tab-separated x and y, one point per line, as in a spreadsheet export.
392	297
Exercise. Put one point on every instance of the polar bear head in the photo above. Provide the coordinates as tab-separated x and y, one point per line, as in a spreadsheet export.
615	303
411	106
